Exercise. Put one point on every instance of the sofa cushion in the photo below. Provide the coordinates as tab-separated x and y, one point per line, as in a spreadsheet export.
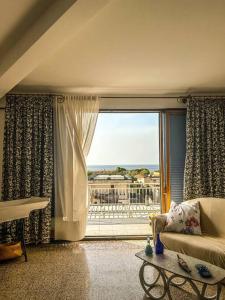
205	247
184	218
212	215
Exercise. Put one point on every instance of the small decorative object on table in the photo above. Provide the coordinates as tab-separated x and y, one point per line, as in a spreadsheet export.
182	263
148	248
203	271
159	247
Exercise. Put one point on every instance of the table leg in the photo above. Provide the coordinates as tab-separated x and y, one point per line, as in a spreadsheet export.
204	287
214	297
21	237
167	281
147	287
200	294
219	288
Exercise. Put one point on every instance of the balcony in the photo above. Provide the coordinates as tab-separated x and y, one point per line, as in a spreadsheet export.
121	208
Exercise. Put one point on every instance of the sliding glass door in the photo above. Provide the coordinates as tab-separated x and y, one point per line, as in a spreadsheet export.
135	168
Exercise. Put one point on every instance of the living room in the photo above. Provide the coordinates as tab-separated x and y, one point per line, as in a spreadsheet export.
64	64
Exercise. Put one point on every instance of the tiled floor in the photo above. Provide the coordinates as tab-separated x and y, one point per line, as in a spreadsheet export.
118	229
106	270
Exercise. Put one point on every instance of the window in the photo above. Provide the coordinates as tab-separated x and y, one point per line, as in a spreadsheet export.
124	174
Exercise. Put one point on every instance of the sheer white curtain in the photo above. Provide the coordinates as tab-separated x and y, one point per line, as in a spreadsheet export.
75	121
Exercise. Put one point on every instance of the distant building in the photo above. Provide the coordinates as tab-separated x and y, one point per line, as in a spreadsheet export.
144	180
150	179
110	188
112	178
105	189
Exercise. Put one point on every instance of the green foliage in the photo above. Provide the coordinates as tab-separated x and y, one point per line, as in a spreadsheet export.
121	171
144	172
90	173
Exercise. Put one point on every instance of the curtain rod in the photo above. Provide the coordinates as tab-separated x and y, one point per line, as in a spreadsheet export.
60	97
138	97
163	97
62	94
180	99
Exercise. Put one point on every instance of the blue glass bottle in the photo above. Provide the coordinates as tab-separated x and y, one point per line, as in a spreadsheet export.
159	247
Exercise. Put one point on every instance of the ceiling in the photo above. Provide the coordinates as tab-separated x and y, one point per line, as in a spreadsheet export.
16	17
134	47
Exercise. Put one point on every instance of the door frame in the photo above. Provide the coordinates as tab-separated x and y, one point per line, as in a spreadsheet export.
164	143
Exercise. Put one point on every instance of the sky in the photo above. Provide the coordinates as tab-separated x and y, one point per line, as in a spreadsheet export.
125	138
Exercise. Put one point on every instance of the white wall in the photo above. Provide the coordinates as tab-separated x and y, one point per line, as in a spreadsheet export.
140	103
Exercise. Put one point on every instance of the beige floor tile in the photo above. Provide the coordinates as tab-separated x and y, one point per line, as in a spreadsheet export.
106	270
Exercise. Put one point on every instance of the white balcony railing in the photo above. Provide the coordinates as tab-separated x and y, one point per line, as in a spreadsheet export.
124	201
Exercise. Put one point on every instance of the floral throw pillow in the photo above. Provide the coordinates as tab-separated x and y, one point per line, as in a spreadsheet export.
184	218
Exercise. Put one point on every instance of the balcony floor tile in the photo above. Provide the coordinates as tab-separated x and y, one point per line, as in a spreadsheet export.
118	229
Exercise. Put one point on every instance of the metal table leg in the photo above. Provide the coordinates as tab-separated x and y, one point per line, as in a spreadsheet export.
169	280
20	229
219	288
215	296
147	287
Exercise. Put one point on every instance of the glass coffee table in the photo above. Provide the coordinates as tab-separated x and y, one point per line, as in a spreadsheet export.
165	266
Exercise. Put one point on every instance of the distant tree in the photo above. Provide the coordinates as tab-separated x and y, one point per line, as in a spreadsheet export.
90	173
144	172
132	173
120	170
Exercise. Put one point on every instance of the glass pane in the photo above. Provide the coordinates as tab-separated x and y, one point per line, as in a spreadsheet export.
124	176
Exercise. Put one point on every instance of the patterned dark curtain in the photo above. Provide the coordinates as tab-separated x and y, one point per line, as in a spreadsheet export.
205	153
28	164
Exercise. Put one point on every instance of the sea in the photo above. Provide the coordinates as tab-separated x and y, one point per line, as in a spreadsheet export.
94	168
